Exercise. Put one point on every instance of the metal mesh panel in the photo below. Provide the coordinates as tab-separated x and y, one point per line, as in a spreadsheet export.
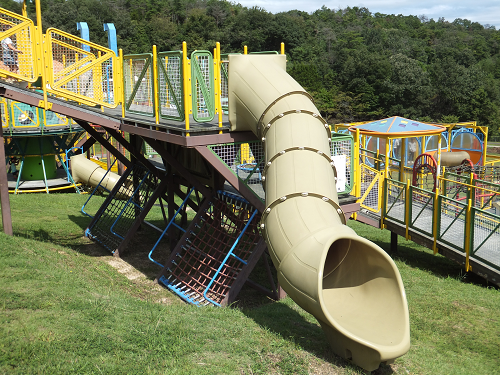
395	202
81	70
486	194
112	225
452	223
20	30
215	251
138	84
5	115
246	160
486	237
148	150
24	116
343	147
371	201
422	207
171	93
224	84
202	86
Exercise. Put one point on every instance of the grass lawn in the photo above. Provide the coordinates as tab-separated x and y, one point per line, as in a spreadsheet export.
68	306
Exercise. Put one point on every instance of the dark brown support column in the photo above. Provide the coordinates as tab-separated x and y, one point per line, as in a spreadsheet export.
243	189
140	218
394	242
110	197
99	138
4	188
118	162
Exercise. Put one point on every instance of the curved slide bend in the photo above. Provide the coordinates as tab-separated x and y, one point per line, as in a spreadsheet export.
350	285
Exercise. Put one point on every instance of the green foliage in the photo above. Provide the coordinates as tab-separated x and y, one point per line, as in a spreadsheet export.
358	65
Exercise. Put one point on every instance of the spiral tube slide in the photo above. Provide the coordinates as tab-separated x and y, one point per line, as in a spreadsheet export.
349	284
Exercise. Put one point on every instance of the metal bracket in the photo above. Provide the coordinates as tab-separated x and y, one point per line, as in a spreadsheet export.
335	205
41	104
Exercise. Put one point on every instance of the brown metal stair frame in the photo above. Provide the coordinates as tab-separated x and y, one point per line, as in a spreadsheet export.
216	255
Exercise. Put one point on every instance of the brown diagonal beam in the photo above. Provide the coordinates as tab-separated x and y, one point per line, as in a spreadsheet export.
104	142
230	177
4	189
109	198
243	275
59	106
140	218
136	153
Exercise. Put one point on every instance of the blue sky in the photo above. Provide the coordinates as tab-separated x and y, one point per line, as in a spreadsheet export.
482	11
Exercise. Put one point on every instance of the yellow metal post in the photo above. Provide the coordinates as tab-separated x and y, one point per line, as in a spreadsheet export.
186	69
282	48
387	159
245	50
42	53
438	161
407	209
120	85
485	152
218	83
402	160
357	170
468	235
435	214
24	10
155	86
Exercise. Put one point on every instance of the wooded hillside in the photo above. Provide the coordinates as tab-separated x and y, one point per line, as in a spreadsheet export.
358	65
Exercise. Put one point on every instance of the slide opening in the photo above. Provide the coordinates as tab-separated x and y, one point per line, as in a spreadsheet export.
336	254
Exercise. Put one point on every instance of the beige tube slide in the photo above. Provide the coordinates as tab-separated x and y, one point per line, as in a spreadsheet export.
89	173
350	285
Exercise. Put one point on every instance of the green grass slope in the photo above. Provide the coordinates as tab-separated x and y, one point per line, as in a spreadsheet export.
68	307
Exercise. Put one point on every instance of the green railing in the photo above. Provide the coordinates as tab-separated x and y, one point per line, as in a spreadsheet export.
138	84
455	223
421	211
342	151
202	78
170	79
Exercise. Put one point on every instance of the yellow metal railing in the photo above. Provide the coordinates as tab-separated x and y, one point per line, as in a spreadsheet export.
80	70
21	32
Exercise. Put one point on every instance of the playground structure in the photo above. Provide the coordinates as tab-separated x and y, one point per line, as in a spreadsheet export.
35	141
442	192
252	175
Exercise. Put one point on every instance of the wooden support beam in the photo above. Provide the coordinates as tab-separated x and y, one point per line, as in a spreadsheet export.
4	188
394	242
230	177
104	142
141	216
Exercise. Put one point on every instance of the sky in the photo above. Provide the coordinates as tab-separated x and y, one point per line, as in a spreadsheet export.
486	12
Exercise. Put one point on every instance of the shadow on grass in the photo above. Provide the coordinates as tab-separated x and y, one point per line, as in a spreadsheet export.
286	322
137	250
422	258
438	265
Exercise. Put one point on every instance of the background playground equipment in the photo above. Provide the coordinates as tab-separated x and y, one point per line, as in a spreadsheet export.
35	141
89	173
450	209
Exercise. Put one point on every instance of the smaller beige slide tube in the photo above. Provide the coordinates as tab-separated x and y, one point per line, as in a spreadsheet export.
89	173
350	285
